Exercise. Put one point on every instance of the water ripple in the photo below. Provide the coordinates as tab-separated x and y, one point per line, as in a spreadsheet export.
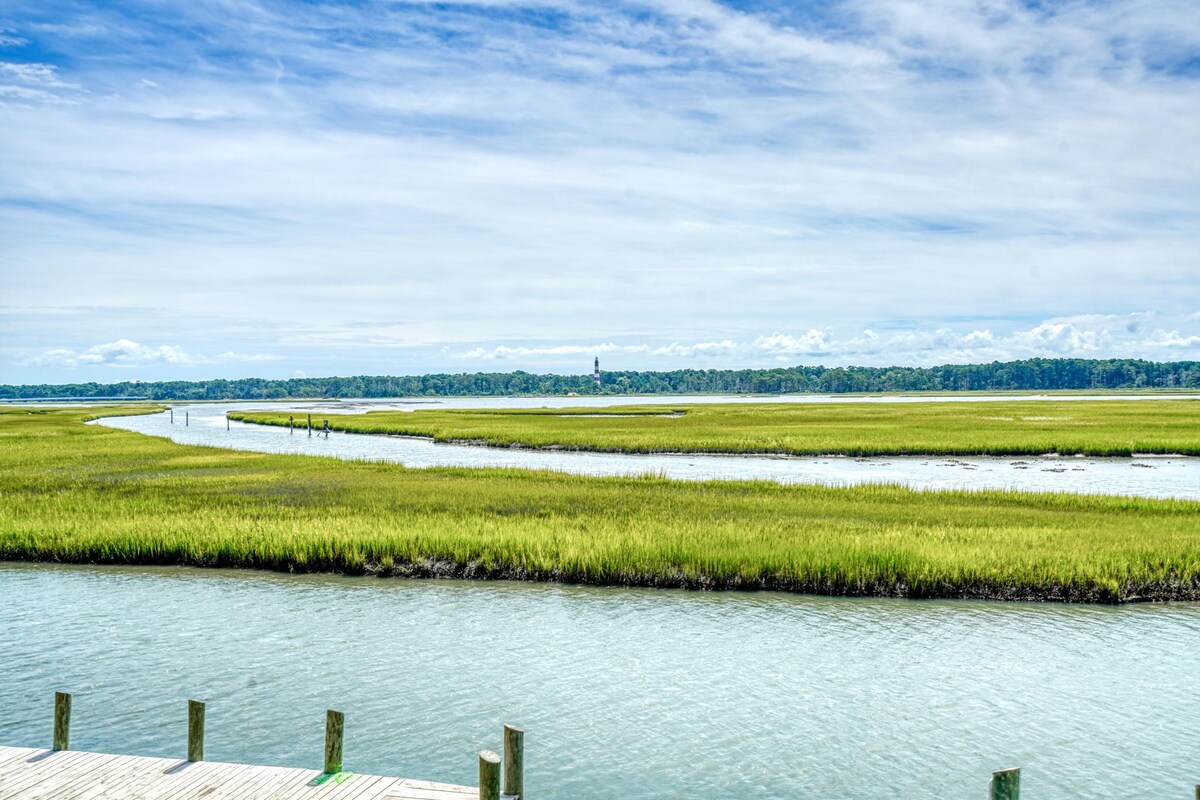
623	693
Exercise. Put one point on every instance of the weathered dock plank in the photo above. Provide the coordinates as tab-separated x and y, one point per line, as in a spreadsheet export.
37	774
420	790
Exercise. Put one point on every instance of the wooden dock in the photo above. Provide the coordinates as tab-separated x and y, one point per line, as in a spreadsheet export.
33	774
63	774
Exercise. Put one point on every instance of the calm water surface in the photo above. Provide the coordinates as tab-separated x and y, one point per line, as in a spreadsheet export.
623	693
1148	477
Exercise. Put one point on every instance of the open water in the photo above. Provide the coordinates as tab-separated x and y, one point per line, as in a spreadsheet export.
624	693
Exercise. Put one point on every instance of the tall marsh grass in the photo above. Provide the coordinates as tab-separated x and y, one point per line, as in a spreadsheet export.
70	492
1016	428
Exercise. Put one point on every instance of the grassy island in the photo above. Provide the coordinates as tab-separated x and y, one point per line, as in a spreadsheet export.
1029	427
79	493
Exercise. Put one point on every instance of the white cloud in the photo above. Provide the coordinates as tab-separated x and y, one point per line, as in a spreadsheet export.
675	349
722	29
1171	340
1087	336
34	83
34	73
812	343
126	353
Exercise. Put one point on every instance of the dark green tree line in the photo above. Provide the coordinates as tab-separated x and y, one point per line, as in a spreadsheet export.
1035	374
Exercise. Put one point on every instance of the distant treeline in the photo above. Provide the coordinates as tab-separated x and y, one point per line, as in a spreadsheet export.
1036	374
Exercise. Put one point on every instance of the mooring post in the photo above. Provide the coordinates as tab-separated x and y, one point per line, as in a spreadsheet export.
226	422
335	722
489	775
1006	784
310	424
62	721
172	410
187	418
195	730
514	761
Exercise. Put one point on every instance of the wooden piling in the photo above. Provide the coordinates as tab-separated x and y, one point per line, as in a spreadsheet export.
172	415
226	422
291	424
310	424
62	721
514	761
489	775
334	727
187	418
195	730
1006	784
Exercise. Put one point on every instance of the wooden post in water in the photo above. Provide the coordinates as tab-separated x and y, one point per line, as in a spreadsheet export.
489	775
335	722
172	410
514	761
195	730
187	418
62	721
226	422
1006	784
310	424
291	424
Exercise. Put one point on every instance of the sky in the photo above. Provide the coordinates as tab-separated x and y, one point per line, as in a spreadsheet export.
235	188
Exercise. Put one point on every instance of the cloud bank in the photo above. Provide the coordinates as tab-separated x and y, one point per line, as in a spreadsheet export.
1097	336
127	354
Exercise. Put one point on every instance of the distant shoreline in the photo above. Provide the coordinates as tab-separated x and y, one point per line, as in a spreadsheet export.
1184	393
1028	375
1147	394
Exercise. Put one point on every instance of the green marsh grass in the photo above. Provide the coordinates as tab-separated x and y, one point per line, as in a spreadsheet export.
84	493
1016	428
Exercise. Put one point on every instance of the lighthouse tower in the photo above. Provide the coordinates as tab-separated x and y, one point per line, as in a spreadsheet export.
596	374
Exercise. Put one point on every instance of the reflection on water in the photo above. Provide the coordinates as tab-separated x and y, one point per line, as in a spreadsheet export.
623	693
1149	477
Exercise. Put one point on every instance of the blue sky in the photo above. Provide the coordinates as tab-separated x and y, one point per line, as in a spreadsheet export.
226	188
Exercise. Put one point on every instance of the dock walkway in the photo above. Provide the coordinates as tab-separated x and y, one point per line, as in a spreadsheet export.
28	773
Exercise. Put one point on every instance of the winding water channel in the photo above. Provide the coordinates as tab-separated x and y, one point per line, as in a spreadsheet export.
624	693
1149	476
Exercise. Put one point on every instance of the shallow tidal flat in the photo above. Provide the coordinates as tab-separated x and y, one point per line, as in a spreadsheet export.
91	494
